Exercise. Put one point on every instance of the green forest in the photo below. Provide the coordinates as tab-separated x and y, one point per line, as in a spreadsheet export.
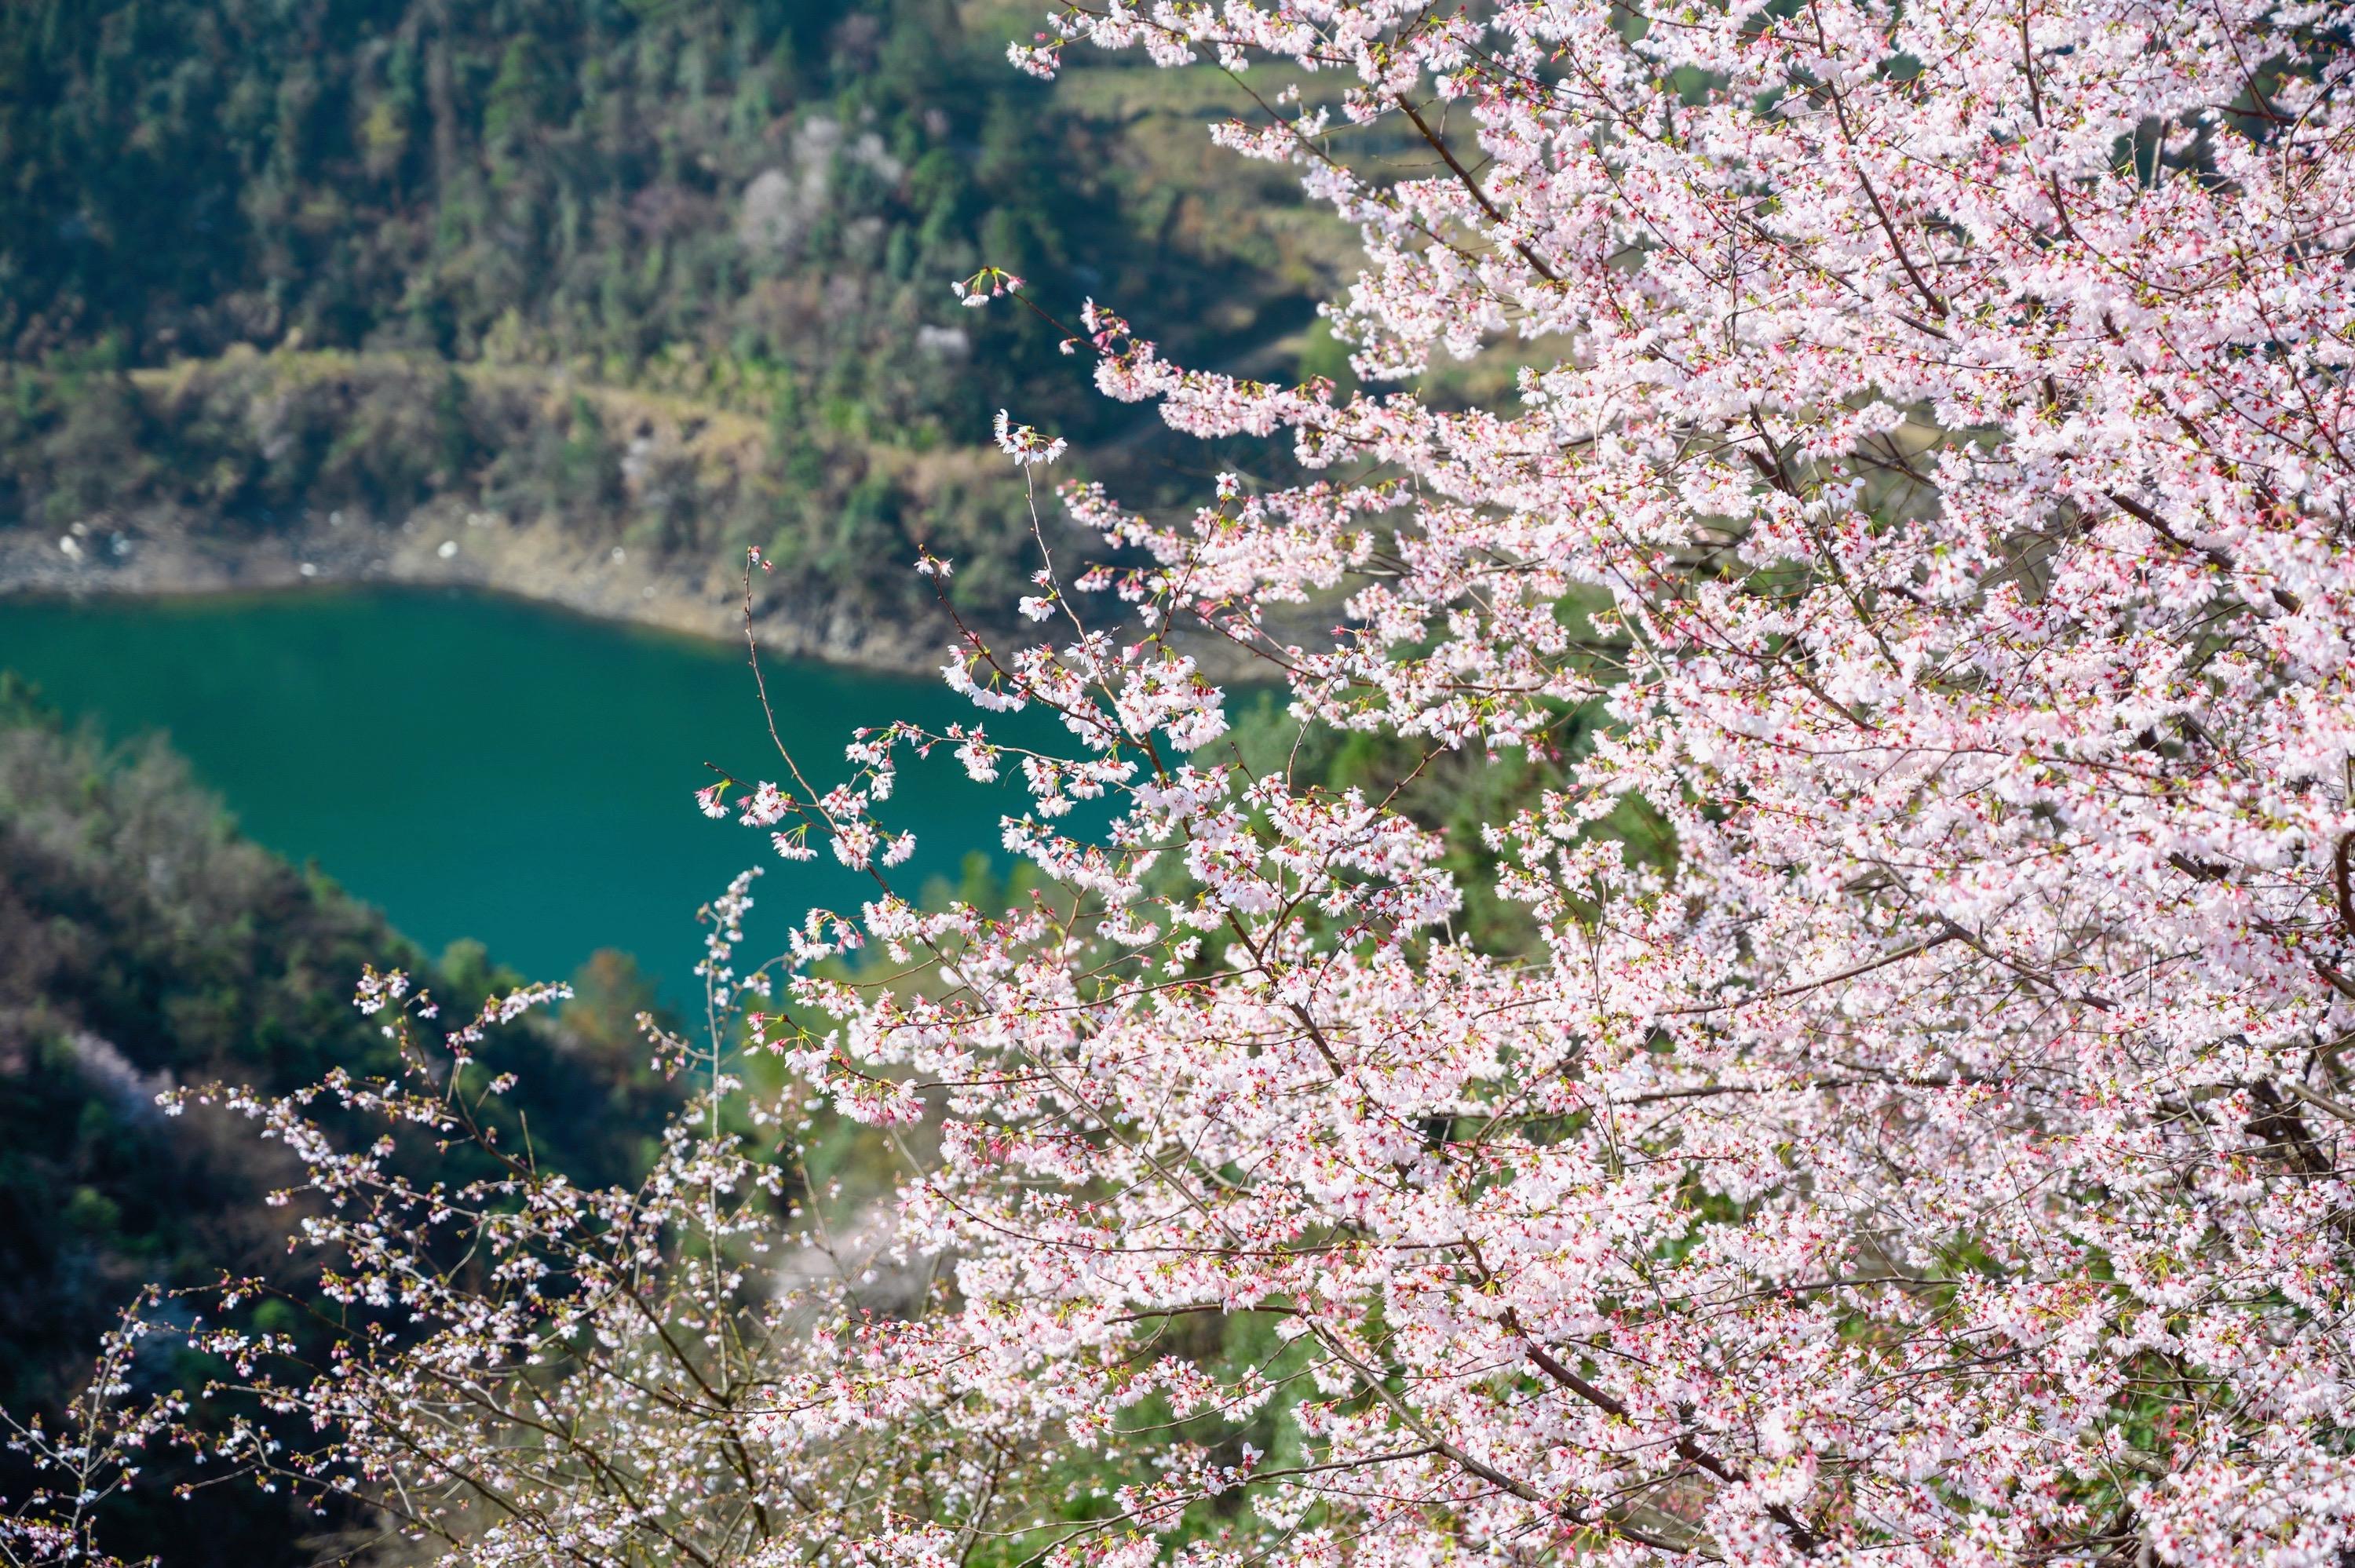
673	273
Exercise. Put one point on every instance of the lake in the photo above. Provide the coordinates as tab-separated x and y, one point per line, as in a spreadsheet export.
480	767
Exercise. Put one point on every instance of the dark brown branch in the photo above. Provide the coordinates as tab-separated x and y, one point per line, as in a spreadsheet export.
1803	1535
1463	175
1921	284
2342	881
2213	556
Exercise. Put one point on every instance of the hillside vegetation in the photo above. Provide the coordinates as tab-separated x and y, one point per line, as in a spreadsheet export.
673	275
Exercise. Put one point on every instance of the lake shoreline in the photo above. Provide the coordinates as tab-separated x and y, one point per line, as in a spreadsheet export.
538	563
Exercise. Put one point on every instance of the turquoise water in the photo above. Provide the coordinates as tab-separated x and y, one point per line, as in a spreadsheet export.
477	767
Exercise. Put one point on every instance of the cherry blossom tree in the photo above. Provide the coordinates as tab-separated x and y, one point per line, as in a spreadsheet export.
1925	492
1929	446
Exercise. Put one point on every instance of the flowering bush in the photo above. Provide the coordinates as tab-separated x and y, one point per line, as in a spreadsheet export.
1929	468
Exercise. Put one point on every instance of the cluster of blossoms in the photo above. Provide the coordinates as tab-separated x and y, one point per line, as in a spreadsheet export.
1929	477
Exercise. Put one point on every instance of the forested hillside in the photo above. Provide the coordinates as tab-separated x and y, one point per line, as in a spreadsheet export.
511	223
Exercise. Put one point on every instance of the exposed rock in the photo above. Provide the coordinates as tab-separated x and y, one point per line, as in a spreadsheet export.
779	206
944	342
